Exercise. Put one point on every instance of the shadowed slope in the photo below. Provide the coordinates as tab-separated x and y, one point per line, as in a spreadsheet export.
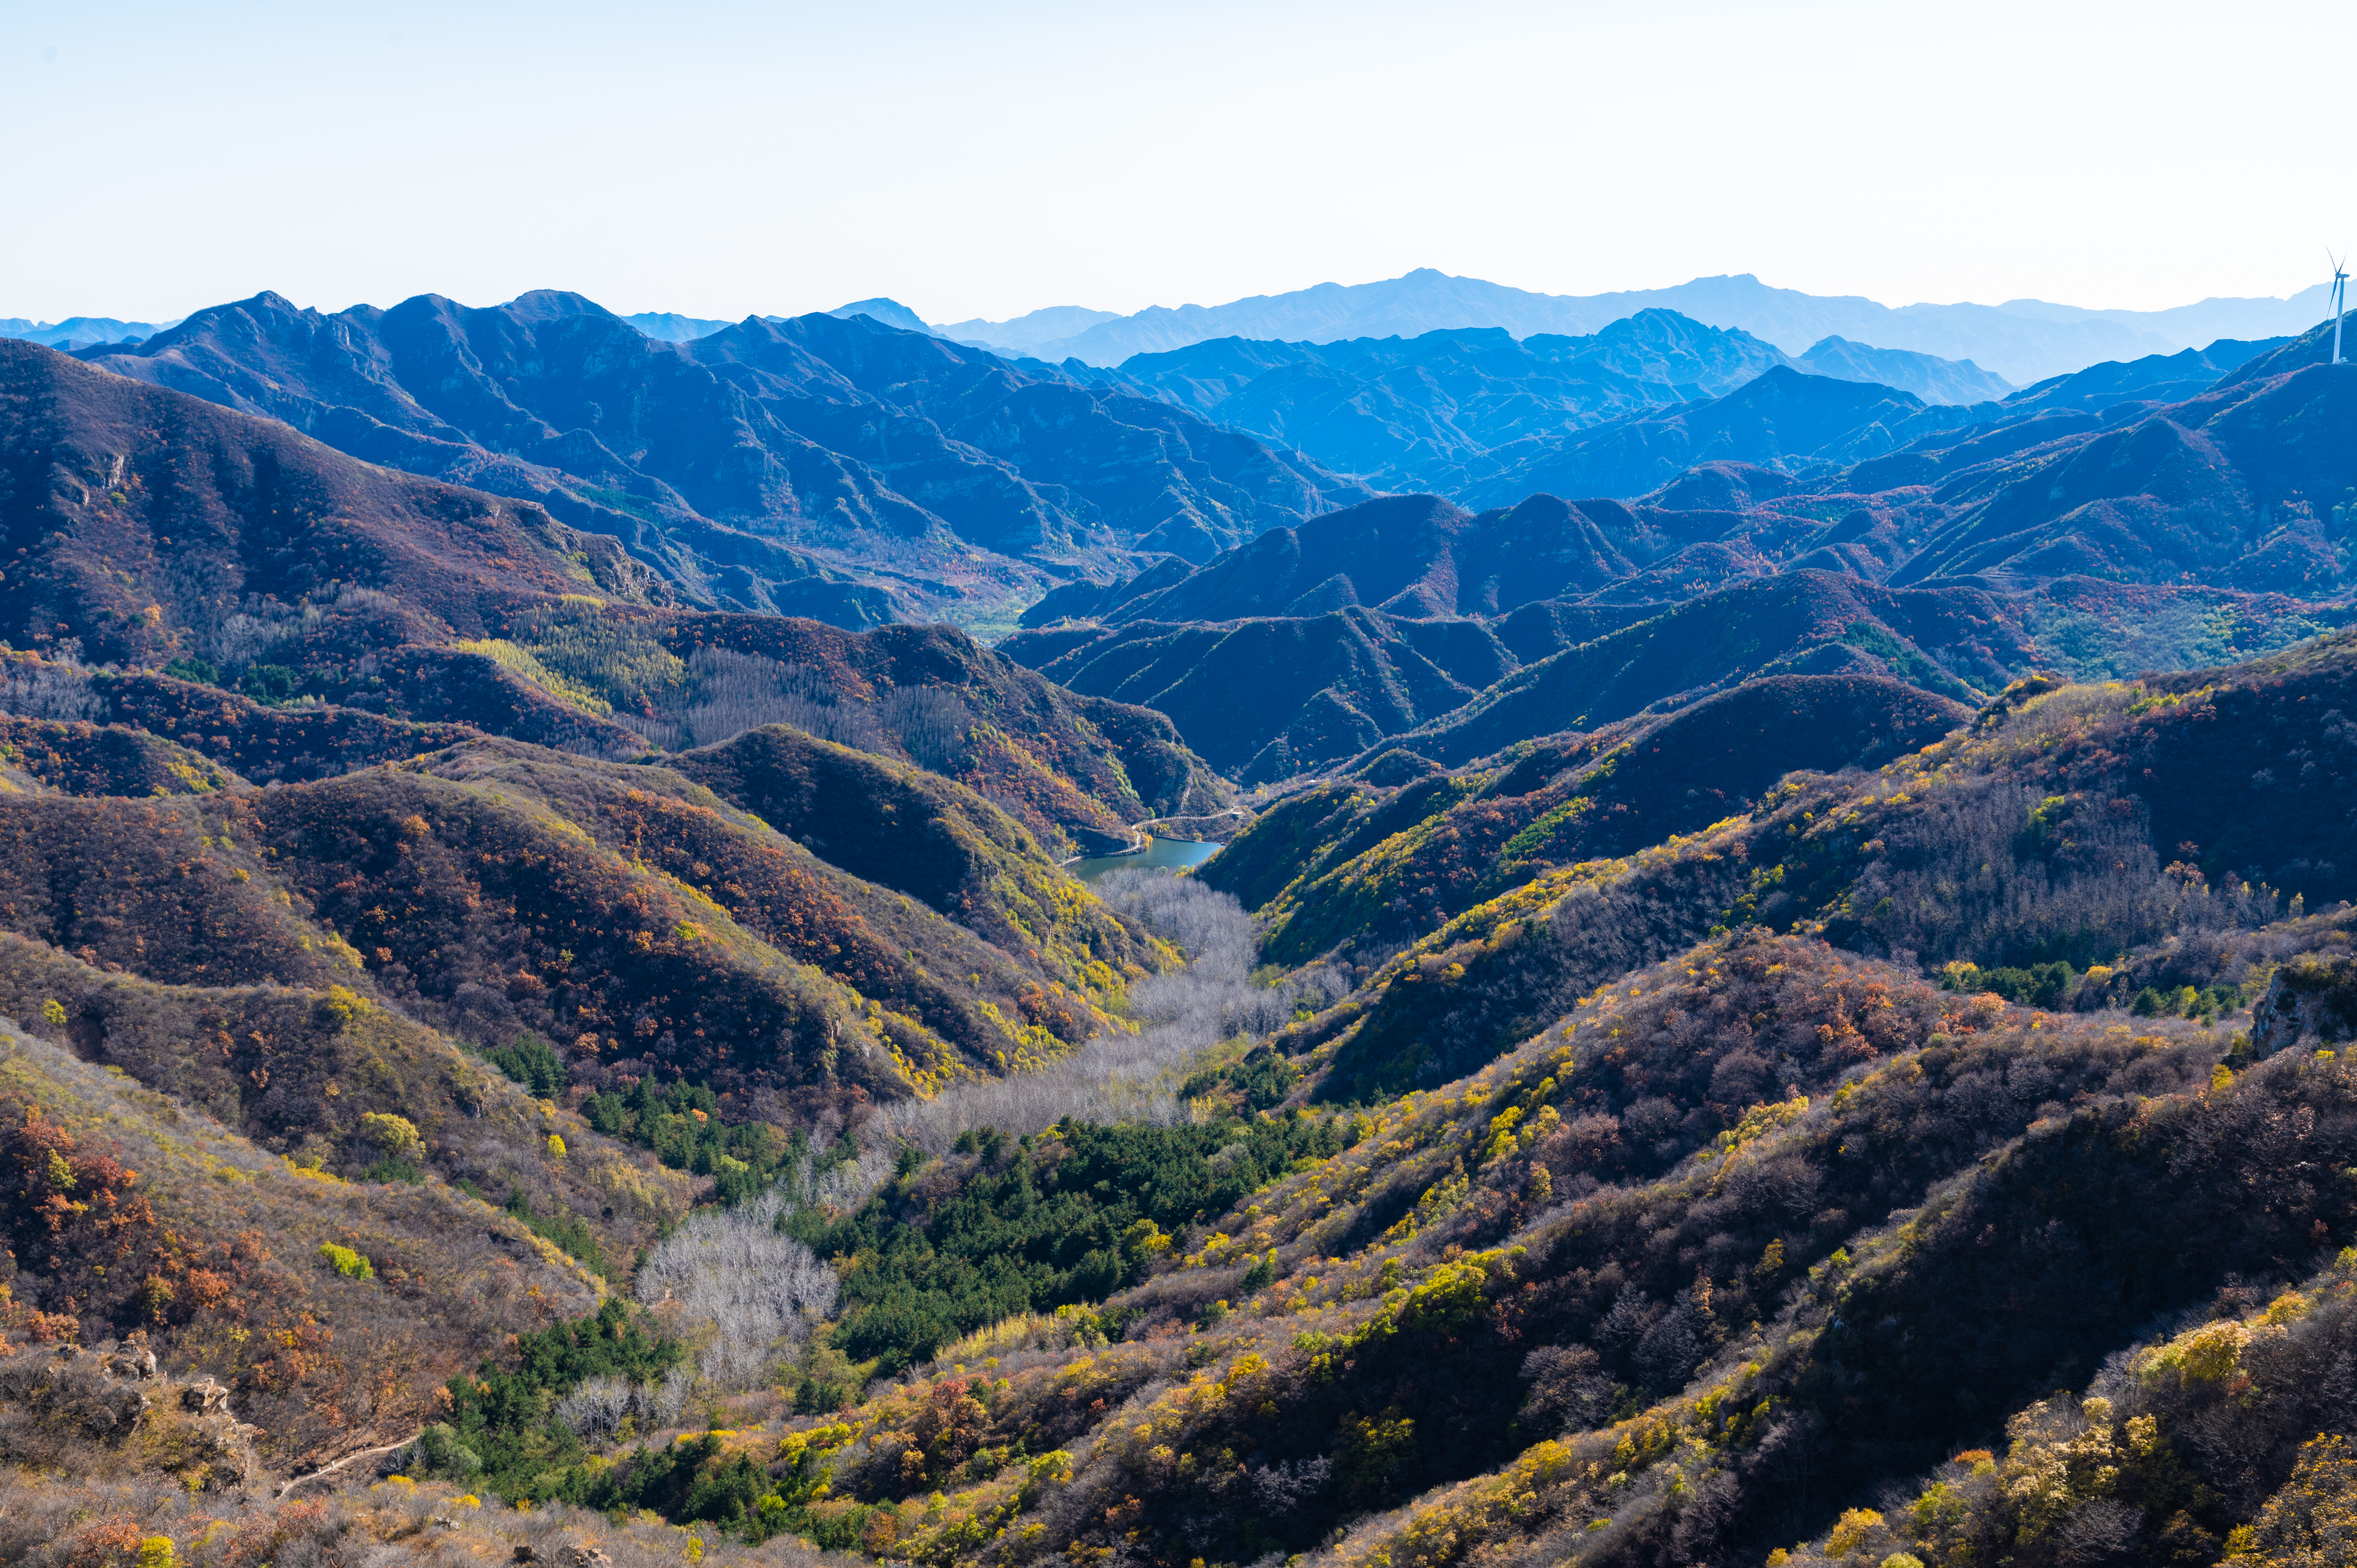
834	468
1385	866
146	517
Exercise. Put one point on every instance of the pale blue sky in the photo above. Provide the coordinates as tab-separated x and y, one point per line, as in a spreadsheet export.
719	159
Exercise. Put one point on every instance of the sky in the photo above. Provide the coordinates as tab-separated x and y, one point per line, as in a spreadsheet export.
721	159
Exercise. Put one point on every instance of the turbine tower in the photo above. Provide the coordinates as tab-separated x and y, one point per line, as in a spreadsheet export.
2340	300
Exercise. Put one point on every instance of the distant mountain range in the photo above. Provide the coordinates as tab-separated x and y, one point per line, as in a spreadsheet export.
666	327
1031	331
2022	340
2173	510
1444	410
848	467
2019	341
1808	427
1426	412
79	331
824	466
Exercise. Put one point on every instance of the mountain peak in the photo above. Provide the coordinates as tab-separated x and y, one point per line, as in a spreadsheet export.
890	312
553	304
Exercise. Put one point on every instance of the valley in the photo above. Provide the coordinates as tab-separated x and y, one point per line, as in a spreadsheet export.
634	939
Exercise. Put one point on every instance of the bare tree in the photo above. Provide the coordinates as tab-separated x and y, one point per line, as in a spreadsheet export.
1132	1077
595	1411
1980	872
49	691
728	694
661	732
847	1185
245	638
931	725
733	1274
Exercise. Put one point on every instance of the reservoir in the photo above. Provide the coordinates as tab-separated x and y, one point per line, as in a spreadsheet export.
1158	853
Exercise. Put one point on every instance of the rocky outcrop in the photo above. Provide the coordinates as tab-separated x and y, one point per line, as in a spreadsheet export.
2310	1000
109	1410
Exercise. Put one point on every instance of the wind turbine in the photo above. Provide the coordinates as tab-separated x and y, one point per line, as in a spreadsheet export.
2339	299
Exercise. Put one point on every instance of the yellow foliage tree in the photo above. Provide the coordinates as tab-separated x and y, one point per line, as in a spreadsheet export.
1851	1531
395	1137
2311	1520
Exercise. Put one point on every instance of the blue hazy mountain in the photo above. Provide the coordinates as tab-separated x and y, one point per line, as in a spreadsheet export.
666	327
2139	515
887	312
669	327
2021	340
1028	333
2155	379
76	332
830	465
1423	413
1928	376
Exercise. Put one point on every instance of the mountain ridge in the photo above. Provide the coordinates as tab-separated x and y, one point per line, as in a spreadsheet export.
77	332
690	453
1953	548
2021	340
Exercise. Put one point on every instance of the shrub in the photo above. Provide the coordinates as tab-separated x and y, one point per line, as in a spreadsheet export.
345	1262
189	667
1055	1225
270	684
394	1137
568	1232
2312	1519
1851	1531
744	1158
438	1452
502	1412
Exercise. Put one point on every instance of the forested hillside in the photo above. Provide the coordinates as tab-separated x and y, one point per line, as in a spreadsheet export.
2169	513
1658	1225
1804	1016
220	581
836	469
1827	1122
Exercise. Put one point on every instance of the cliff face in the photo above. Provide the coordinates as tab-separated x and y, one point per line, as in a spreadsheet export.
2310	1002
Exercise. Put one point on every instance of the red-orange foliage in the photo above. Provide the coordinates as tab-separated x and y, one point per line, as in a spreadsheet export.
109	1267
135	883
268	745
